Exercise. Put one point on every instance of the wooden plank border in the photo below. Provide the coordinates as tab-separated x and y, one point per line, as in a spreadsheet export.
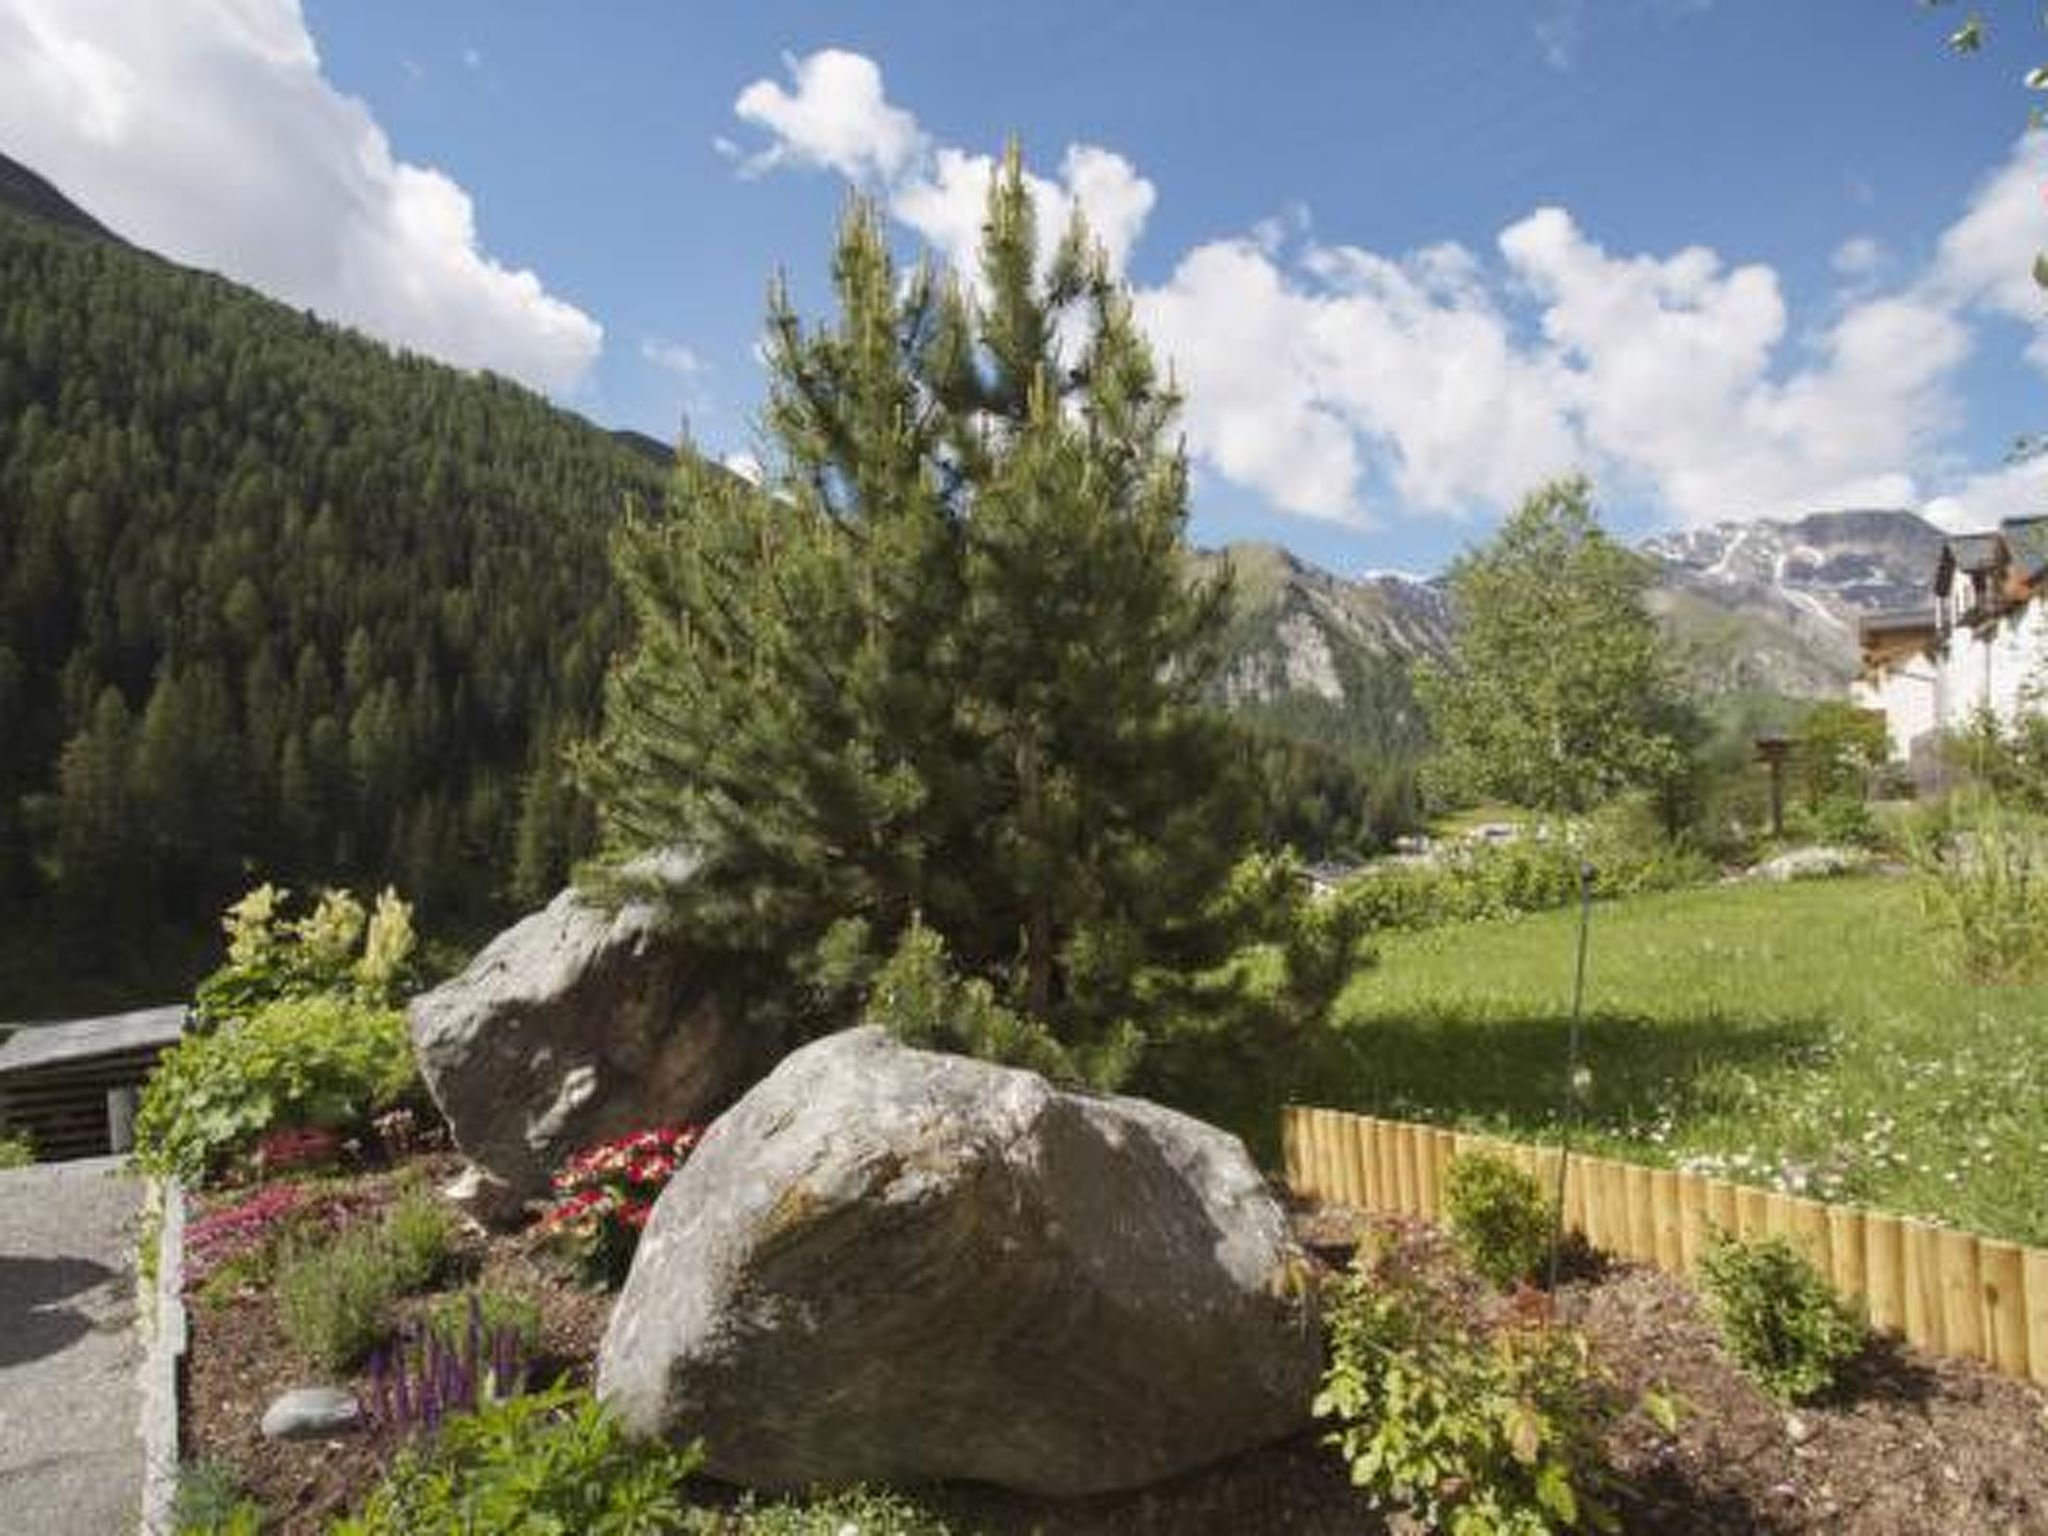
1941	1289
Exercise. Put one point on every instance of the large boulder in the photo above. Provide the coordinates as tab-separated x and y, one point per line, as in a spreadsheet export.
885	1264
578	1023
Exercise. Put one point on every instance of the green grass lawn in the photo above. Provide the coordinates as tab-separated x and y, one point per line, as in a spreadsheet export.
1806	1036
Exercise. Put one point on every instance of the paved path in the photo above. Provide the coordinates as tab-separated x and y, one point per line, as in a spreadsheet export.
70	1456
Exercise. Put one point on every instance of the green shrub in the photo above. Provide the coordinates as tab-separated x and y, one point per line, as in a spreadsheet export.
543	1464
1469	1430
1476	881
1983	872
334	1299
209	1502
918	996
16	1151
306	1061
1502	1220
1843	821
1779	1317
338	950
863	1511
419	1235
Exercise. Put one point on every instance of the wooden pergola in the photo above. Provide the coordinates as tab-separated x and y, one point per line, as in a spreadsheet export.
69	1087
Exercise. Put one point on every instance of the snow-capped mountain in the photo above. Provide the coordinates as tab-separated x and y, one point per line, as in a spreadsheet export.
1765	604
1774	604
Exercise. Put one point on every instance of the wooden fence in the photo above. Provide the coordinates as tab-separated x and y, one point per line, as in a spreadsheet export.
1947	1291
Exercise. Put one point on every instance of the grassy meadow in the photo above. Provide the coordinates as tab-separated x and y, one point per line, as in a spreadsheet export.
1806	1036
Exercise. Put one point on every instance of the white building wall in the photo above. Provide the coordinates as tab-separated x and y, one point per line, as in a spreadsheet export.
2017	651
1998	668
1911	696
2004	667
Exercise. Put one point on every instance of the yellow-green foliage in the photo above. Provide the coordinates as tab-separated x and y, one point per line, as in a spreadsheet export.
1471	1430
319	1060
336	949
534	1465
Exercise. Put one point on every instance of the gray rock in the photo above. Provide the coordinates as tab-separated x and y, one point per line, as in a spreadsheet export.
576	1024
889	1265
311	1413
486	1200
1816	863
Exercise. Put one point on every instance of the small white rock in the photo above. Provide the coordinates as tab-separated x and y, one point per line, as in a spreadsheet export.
308	1413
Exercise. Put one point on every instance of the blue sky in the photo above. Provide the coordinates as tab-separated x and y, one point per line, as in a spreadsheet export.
1730	257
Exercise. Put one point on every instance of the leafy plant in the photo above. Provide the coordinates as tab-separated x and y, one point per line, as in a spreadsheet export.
16	1151
337	948
541	1464
209	1502
1502	1220
1470	1429
309	1061
863	1511
1779	1317
604	1195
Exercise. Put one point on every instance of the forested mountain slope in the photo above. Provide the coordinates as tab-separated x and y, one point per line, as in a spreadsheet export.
276	601
23	190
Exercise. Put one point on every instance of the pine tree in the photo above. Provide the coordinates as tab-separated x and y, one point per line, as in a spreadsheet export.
97	836
943	666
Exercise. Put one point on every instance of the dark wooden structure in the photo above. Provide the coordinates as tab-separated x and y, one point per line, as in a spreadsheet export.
55	1079
1772	752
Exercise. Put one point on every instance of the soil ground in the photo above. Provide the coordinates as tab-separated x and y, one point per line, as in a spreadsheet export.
1912	1445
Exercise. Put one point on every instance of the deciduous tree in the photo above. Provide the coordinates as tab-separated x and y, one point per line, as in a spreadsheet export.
1557	695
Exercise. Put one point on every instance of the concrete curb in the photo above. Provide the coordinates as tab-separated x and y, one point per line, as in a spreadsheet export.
163	1356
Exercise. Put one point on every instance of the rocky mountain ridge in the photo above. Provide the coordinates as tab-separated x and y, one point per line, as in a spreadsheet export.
1761	604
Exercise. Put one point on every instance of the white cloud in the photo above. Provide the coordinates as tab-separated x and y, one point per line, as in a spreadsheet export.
836	117
207	132
1339	382
672	356
1338	377
1558	30
1245	348
1445	383
839	118
1858	258
1983	498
